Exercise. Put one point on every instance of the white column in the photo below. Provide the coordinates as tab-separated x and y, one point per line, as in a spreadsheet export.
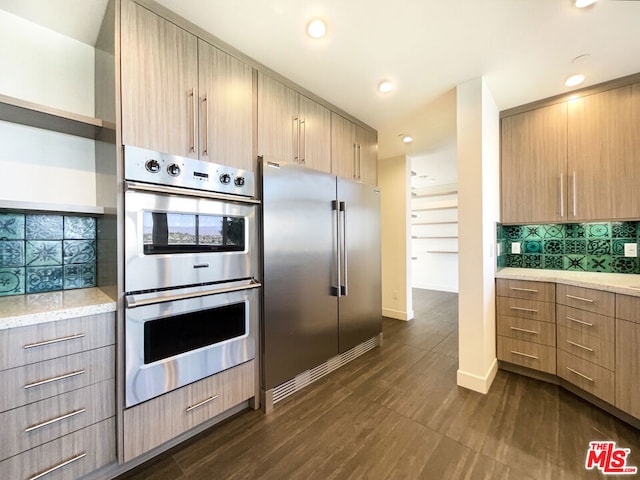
478	133
394	178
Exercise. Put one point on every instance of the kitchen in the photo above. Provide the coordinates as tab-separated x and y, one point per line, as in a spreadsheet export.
105	198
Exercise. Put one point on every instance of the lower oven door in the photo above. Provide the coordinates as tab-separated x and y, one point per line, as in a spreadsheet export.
173	339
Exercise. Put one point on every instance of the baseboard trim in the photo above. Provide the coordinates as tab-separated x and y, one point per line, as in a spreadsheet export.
476	382
397	314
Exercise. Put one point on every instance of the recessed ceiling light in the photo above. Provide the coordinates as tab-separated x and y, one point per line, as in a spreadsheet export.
574	80
316	28
584	3
385	87
406	138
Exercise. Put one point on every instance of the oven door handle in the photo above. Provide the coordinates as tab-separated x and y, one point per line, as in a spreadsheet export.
133	301
168	190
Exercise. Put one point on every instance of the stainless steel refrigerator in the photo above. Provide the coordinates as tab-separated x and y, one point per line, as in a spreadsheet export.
322	276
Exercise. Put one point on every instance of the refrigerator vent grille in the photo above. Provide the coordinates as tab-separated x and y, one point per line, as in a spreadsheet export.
297	383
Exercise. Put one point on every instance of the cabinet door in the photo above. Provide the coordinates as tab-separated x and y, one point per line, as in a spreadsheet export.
315	135
627	367
343	147
601	134
277	120
533	166
367	144
159	83
226	108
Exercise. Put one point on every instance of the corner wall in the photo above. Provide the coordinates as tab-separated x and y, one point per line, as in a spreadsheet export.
394	177
478	211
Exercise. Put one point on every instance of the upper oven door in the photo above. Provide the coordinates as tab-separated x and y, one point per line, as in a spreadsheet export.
179	240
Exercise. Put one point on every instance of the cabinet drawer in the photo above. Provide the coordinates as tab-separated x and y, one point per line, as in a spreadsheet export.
543	291
527	354
38	381
588	299
628	308
36	343
589	377
158	420
594	324
594	349
528	330
40	422
521	308
66	458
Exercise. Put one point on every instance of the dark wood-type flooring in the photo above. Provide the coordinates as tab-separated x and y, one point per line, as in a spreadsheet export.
396	412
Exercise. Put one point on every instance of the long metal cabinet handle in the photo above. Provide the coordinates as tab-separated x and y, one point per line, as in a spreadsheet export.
524	354
55	340
303	142
581	322
345	286
337	291
519	289
561	195
54	420
582	299
522	309
359	162
574	195
205	125
201	403
54	379
524	330
580	346
580	374
58	466
295	134
192	120
355	161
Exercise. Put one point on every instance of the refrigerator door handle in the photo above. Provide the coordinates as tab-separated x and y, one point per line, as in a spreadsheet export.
336	289
344	286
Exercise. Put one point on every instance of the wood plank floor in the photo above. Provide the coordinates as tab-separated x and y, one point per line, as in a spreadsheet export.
396	412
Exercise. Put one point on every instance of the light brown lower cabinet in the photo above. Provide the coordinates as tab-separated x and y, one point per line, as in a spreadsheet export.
527	354
67	458
156	421
628	354
588	376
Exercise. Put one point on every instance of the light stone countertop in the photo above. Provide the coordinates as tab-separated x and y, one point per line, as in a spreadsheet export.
624	283
33	308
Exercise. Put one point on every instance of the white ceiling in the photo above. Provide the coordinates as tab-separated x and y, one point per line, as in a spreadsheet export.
523	48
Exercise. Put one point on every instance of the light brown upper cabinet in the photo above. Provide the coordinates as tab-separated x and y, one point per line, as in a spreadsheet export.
292	127
182	96
602	161
573	161
354	151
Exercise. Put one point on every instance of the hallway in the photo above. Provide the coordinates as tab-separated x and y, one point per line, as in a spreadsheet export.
396	412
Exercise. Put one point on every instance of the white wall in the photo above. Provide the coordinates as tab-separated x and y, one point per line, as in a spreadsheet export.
394	180
44	67
478	177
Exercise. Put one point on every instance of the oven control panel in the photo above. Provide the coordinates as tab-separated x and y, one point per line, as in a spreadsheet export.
164	169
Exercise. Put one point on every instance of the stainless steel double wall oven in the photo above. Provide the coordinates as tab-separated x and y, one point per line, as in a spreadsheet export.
191	263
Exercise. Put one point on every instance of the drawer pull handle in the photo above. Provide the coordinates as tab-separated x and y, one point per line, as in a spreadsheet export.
530	310
58	466
55	340
518	289
580	346
203	402
524	354
54	420
54	379
581	322
582	299
580	374
524	330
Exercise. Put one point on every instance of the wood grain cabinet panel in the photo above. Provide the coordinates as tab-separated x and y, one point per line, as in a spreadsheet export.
533	166
588	299
36	343
627	381
40	422
37	381
521	308
354	151
528	330
367	142
594	324
586	375
315	135
597	350
527	354
603	175
159	78
158	420
67	458
628	308
542	291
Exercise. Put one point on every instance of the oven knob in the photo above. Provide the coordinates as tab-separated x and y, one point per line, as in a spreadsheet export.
152	166
173	169
225	179
239	181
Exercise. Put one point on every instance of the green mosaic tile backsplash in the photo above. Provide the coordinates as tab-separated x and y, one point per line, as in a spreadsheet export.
587	247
